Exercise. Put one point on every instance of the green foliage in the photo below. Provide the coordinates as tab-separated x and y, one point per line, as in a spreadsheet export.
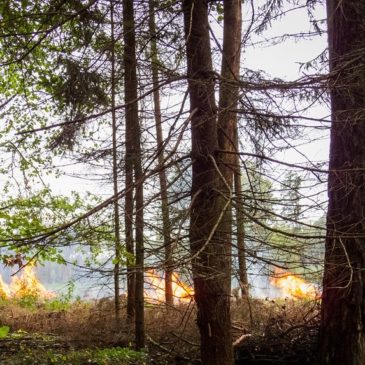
57	305
30	215
108	356
63	302
291	196
18	334
4	330
25	217
29	302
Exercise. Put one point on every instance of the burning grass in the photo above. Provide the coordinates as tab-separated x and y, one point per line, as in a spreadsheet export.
155	292
293	286
282	331
24	284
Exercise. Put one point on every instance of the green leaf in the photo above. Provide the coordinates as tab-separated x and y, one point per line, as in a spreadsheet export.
4	330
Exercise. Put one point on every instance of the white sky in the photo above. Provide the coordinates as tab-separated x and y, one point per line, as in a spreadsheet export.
282	61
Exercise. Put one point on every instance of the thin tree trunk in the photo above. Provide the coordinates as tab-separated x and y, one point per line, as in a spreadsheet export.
166	225
132	121
240	230
210	217
139	320
342	335
128	222
130	94
227	120
115	179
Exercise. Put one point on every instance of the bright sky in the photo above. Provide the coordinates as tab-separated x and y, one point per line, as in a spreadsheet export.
281	60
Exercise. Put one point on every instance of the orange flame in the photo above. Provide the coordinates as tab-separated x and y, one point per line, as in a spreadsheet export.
4	289
26	284
182	292
292	286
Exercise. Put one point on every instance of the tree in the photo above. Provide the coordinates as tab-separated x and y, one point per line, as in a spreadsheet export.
291	197
75	64
134	158
342	335
212	179
240	228
115	177
229	95
130	114
166	225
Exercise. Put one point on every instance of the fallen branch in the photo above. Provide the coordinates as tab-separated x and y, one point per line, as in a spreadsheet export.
240	340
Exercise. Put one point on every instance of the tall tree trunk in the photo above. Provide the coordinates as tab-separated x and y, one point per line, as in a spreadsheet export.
166	225
132	121
342	335
130	94
128	222
211	219
240	230
227	120
115	178
139	319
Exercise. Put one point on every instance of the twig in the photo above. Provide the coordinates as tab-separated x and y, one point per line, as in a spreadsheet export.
240	340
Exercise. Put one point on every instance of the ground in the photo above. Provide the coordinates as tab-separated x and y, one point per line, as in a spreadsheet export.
77	333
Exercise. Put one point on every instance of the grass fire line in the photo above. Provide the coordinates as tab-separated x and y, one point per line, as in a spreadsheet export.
155	294
294	287
23	285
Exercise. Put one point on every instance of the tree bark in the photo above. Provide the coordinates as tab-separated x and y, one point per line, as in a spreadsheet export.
240	230
228	124
130	94
117	244
128	223
210	218
134	133
342	335
229	88
166	225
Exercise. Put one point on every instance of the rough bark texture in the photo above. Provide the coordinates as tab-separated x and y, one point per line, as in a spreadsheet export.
134	133
229	88
342	338
227	123
240	231
166	226
117	244
130	94
210	225
128	223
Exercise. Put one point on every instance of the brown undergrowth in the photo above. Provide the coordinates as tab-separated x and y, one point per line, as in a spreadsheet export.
277	332
171	332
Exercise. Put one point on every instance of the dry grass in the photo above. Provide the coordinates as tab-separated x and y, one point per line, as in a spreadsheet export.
171	332
83	323
255	315
282	331
274	326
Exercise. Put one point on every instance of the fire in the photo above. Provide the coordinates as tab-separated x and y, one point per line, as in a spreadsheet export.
182	292
4	289
292	286
26	284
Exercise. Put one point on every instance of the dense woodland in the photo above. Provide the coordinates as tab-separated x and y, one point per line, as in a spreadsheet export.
166	153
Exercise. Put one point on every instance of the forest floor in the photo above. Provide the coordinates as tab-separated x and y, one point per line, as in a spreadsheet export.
78	333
